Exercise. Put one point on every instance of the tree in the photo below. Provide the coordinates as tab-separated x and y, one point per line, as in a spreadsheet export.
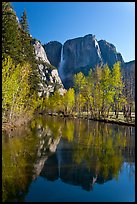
88	92
28	49
117	87
79	86
24	23
97	92
16	100
79	82
29	53
11	39
79	102
69	101
108	93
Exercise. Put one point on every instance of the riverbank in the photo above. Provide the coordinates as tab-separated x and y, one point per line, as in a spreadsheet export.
10	126
111	119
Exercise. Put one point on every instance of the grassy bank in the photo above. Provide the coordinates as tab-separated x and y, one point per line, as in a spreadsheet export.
121	120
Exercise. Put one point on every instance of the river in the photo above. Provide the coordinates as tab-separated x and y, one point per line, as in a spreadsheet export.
60	159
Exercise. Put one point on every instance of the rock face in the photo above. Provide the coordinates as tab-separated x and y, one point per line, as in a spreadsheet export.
130	66
53	51
109	53
40	52
81	54
128	72
50	80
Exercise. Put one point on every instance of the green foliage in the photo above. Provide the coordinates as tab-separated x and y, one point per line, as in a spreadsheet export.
24	23
16	99
107	89
79	82
68	101
28	49
11	38
20	77
17	167
97	94
118	86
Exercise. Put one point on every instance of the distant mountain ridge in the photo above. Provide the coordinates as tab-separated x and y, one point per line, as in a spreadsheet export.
82	54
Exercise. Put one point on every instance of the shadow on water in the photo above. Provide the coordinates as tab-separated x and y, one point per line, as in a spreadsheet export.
78	152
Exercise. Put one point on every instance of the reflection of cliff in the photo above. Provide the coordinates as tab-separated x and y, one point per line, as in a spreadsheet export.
75	174
43	153
50	169
67	171
99	169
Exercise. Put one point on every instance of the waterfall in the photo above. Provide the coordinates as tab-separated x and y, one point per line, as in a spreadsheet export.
98	49
60	70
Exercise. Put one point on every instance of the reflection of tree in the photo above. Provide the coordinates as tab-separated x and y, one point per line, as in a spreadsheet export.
101	147
24	155
17	165
68	130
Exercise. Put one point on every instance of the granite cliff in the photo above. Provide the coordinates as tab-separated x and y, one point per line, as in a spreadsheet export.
50	80
109	53
53	51
81	54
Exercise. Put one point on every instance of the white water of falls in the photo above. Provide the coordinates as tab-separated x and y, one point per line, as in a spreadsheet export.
61	64
98	48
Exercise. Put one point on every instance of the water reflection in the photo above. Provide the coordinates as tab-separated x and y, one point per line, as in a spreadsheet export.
78	152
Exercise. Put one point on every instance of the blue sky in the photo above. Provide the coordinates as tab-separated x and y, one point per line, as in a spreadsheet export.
111	21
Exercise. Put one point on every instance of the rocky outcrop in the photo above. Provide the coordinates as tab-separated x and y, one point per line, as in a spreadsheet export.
83	52
53	51
109	53
80	54
50	80
40	52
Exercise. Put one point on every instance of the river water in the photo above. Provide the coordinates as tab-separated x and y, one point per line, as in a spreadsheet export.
60	160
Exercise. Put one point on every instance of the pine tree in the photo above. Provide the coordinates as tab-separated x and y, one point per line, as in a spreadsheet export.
11	39
28	52
24	23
